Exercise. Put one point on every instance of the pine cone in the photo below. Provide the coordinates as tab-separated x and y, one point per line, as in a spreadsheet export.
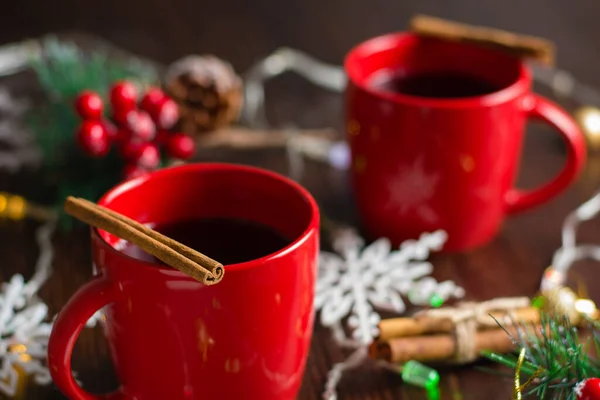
208	91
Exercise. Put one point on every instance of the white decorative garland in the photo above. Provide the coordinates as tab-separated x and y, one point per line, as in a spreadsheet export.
24	329
13	133
24	322
570	251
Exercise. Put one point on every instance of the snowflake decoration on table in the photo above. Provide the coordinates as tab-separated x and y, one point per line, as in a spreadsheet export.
24	333
409	190
361	278
24	324
24	329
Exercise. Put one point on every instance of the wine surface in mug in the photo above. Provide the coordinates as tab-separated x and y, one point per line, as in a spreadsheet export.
227	240
440	84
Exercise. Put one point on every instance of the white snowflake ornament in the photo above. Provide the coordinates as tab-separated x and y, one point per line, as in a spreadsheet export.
361	278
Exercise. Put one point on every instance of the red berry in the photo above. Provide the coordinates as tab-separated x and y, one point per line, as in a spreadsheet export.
123	116
89	105
141	125
93	139
130	149
123	96
123	135
111	130
148	156
162	137
166	115
133	171
152	99
181	146
588	389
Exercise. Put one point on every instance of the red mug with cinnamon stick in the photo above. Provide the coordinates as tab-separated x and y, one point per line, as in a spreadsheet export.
171	337
436	129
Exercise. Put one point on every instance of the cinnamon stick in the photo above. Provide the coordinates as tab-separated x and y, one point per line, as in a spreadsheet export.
172	253
403	327
215	267
522	46
439	348
243	138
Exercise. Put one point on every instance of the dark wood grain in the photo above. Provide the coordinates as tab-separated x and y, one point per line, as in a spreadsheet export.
243	31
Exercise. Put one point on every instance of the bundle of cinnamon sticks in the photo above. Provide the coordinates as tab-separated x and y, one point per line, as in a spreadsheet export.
455	335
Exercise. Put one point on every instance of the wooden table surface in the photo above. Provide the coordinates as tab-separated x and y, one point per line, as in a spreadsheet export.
243	32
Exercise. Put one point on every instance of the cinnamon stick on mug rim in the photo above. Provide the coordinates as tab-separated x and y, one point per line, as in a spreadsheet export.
175	254
522	46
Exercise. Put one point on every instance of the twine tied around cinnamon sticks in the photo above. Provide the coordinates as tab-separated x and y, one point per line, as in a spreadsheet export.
454	335
468	317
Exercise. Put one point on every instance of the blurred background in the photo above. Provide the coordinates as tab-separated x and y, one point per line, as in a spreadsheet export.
242	31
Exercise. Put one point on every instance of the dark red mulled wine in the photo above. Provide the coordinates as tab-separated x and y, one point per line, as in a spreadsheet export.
432	84
227	240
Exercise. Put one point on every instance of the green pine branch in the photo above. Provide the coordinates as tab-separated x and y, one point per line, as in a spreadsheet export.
556	356
63	71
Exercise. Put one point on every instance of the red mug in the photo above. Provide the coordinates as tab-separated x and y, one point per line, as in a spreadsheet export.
425	163
170	336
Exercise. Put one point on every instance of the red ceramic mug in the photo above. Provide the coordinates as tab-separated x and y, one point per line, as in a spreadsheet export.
173	338
426	163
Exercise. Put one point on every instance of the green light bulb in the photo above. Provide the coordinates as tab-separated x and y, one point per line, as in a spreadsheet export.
436	301
538	302
417	374
433	393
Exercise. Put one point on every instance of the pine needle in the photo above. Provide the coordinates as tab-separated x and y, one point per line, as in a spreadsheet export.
556	359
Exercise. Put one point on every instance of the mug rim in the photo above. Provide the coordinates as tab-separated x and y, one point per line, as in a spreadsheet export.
117	190
378	43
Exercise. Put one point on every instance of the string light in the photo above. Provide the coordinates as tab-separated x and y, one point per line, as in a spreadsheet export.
570	252
12	206
420	375
16	208
328	77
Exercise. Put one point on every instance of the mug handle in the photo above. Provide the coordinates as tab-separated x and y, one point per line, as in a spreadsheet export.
542	109
90	298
